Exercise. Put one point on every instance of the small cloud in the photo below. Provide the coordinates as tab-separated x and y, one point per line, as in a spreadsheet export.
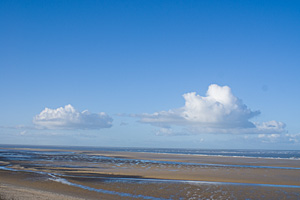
271	136
294	138
164	131
217	112
169	132
270	127
69	118
282	138
20	127
23	132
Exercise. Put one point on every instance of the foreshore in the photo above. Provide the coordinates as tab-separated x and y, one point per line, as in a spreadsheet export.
60	174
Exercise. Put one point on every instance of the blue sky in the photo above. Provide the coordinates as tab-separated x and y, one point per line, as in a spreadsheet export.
132	61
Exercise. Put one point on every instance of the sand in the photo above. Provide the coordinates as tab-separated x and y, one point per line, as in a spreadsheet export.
149	176
8	191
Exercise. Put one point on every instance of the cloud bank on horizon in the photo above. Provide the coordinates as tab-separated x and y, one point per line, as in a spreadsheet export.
69	118
217	112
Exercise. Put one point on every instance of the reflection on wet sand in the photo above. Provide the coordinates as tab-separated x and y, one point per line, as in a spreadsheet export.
128	175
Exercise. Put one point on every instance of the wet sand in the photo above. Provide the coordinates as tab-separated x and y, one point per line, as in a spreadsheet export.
8	191
127	175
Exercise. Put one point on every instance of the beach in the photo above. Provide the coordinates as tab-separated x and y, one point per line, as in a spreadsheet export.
29	173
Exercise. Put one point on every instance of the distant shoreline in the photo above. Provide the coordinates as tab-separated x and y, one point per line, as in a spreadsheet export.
239	153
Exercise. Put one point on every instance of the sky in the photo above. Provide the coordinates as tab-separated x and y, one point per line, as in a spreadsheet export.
167	74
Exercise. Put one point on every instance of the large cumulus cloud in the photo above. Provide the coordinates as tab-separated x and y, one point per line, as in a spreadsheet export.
69	118
219	111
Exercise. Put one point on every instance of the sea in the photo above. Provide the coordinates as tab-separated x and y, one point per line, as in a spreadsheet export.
252	153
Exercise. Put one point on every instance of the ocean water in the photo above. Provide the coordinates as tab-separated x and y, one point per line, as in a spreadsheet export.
255	153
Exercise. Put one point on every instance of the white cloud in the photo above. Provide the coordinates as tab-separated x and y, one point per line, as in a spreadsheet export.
217	112
169	132
23	132
270	127
22	127
271	136
294	138
69	118
282	138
